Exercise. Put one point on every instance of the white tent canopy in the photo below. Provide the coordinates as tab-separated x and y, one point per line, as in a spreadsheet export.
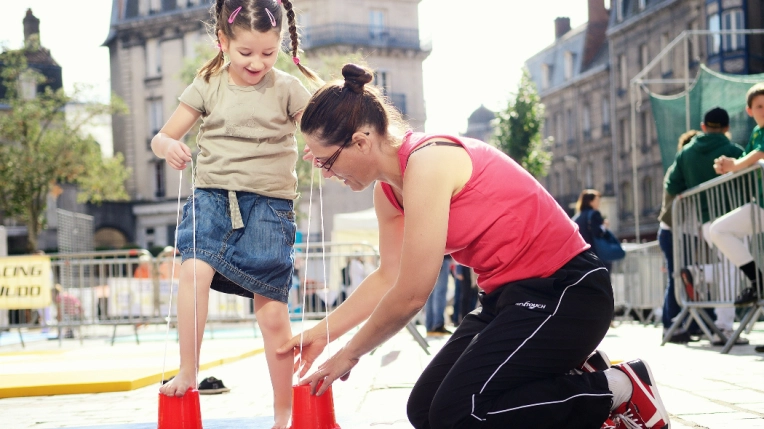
356	227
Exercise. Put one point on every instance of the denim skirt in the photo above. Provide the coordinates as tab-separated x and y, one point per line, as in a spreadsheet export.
252	251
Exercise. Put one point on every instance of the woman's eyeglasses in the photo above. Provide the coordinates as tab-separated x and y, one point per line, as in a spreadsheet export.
327	164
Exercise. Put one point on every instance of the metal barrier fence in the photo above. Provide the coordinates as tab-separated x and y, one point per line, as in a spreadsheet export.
639	281
134	288
716	281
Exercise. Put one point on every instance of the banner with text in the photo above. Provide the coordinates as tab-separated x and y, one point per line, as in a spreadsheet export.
25	282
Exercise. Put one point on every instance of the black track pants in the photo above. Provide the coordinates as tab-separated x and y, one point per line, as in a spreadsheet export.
507	364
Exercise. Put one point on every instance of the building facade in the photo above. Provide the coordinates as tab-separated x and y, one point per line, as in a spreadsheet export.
596	98
149	42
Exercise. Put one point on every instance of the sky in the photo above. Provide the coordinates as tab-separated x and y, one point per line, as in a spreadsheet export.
478	47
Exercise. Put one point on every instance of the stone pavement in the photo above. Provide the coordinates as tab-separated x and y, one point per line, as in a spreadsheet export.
701	388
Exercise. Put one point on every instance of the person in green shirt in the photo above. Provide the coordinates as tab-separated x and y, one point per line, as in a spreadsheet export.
729	231
693	165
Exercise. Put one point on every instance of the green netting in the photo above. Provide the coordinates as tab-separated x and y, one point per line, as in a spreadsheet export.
710	89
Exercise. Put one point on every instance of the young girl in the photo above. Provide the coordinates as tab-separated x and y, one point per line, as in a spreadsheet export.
245	184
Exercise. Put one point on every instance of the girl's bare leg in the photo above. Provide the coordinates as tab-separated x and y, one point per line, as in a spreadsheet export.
273	320
188	353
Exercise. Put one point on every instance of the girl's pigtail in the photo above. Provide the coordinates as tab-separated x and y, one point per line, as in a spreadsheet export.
215	64
310	74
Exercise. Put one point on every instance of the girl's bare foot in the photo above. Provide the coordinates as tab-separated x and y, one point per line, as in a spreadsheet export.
281	421
180	384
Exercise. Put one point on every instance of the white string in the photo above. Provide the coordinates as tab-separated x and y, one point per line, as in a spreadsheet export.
323	262
305	267
196	323
172	277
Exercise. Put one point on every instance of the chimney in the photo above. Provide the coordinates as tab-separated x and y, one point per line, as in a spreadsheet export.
596	30
561	26
31	25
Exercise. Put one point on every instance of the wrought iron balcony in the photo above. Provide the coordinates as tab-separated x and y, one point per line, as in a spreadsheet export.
363	35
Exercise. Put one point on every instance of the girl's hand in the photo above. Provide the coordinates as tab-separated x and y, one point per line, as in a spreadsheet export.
177	154
313	343
338	366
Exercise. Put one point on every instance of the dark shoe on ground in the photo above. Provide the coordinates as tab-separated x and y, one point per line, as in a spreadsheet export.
440	330
680	338
645	409
747	296
717	340
759	349
211	386
689	285
596	362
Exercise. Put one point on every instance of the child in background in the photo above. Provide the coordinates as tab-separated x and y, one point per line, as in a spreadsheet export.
727	232
242	208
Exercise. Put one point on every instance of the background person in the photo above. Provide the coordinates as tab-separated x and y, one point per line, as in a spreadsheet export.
547	302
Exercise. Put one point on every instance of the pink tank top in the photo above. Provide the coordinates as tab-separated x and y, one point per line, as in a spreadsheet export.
503	224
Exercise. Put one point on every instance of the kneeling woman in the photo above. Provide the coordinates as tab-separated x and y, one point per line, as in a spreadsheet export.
548	301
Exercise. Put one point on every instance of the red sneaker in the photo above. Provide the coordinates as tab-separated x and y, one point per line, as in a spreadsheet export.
644	410
609	424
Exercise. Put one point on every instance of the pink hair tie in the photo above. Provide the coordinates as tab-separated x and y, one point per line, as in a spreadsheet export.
296	61
233	15
220	48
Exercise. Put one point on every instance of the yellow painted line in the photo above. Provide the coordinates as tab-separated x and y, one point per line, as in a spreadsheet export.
90	381
33	352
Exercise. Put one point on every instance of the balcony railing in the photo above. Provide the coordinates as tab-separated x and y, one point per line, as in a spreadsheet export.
362	35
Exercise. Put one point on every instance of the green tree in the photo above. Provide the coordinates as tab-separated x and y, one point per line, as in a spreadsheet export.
40	146
518	131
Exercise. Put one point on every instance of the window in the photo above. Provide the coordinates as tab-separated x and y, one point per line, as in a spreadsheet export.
620	5
625	140
714	40
606	114
589	176
647	193
159	181
155	119
623	71
642	4
559	183
559	132
693	46
380	81
571	127
667	58
153	58
627	201
586	122
546	76
27	85
644	56
131	9
733	20
608	170
570	59
169	5
376	24
646	126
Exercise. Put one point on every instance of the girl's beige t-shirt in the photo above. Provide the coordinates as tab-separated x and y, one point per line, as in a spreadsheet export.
246	140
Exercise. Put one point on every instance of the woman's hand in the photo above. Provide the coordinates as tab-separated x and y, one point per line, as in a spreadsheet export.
177	154
313	343
338	366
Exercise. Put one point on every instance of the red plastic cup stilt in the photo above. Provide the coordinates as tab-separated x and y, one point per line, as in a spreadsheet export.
311	411
180	412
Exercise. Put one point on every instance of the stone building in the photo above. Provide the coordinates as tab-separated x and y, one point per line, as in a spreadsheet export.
571	76
597	98
150	39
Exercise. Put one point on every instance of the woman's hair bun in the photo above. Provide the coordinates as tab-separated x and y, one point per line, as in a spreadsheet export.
356	77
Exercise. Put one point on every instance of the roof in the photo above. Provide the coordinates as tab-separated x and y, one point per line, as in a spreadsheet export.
481	115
